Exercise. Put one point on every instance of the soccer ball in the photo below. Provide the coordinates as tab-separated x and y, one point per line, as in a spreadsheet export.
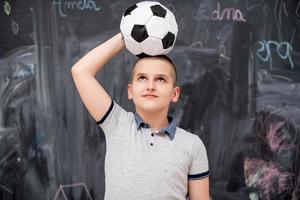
149	29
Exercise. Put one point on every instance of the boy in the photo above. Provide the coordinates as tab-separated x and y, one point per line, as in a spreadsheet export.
147	156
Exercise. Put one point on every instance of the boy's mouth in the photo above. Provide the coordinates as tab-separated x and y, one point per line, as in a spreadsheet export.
150	96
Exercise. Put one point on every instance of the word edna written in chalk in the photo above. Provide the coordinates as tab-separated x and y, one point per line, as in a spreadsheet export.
227	13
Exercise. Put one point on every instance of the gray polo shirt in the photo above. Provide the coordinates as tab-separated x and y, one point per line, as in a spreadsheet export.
142	165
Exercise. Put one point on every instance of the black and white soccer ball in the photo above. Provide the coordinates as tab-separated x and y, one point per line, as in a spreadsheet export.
149	29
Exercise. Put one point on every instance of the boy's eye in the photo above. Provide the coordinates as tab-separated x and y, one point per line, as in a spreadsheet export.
161	79
141	78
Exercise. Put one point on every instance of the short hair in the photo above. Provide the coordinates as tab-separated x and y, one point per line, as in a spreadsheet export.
163	57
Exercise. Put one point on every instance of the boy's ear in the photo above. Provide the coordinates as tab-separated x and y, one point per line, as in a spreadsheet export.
129	91
176	93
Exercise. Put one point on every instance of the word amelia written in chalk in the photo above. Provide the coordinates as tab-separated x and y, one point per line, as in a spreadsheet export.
75	5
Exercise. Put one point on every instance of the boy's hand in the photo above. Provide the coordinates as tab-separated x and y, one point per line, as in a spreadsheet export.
93	95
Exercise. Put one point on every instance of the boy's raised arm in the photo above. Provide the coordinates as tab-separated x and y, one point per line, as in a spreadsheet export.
93	95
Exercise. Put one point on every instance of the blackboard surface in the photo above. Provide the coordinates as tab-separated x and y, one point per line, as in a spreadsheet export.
239	70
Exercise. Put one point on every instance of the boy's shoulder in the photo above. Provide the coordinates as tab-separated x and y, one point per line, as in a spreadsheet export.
116	115
184	134
189	141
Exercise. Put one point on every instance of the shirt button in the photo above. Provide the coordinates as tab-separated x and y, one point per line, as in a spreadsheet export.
151	144
152	134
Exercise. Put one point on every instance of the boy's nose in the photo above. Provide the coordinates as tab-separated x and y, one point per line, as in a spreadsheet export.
151	85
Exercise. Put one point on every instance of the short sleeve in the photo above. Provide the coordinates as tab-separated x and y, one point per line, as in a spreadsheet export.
199	165
115	117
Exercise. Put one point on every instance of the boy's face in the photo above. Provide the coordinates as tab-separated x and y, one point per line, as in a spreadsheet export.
152	87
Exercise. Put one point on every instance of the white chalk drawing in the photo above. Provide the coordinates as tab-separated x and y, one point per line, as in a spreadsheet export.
61	190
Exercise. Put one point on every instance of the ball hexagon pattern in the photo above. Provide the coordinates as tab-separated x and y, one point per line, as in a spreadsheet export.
149	29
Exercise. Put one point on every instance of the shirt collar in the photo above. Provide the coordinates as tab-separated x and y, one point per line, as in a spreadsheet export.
170	129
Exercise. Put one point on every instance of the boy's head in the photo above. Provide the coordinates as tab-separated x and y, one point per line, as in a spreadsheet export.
153	84
162	58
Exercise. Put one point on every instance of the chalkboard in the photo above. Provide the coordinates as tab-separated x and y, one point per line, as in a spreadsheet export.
239	71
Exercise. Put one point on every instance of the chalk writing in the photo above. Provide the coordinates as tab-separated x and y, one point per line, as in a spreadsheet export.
254	4
61	190
293	36
202	12
263	174
198	43
285	10
253	196
228	13
279	6
27	70
222	52
14	27
5	188
75	5
277	140
283	50
6	8
298	9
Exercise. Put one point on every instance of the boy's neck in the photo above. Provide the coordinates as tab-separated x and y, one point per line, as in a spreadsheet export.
156	121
